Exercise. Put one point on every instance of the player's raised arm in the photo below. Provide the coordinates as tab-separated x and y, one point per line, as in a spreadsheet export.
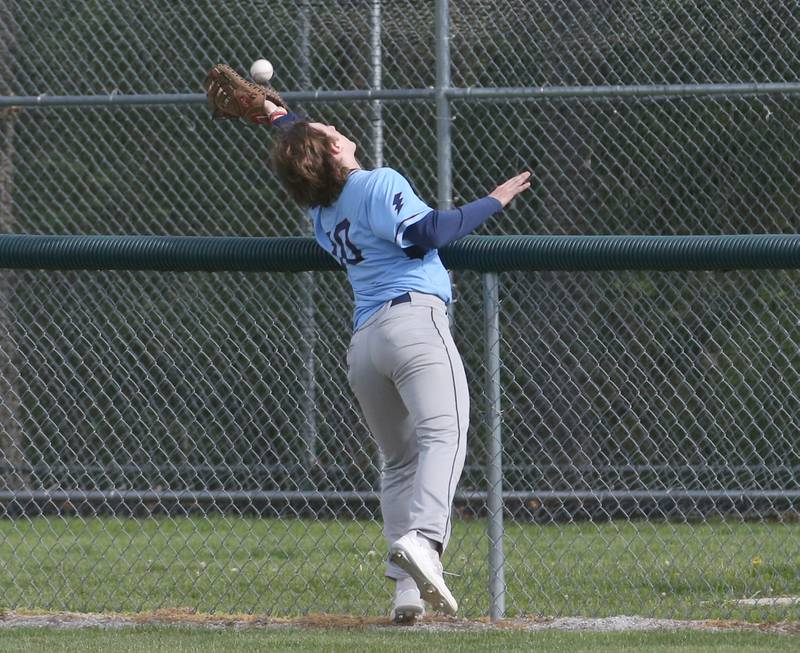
280	116
438	228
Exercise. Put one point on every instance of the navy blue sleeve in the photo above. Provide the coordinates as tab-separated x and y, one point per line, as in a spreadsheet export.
284	122
438	228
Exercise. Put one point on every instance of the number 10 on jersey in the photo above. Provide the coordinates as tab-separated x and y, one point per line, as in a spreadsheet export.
343	248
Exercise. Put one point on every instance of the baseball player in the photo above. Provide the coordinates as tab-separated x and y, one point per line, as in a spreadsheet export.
403	365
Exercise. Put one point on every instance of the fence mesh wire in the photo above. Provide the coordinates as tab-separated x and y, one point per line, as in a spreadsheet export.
629	398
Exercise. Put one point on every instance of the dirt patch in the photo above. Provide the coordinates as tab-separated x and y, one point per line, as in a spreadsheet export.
189	617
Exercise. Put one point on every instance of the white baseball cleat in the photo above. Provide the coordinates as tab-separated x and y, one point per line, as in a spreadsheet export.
408	606
423	565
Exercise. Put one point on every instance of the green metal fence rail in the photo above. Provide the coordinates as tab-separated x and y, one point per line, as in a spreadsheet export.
478	253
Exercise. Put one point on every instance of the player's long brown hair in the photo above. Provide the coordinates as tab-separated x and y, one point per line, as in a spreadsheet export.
302	159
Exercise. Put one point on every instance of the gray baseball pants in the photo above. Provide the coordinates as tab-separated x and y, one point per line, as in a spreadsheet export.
407	375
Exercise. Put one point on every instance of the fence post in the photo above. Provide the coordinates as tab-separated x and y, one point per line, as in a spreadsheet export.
12	456
309	327
377	83
444	163
494	449
444	159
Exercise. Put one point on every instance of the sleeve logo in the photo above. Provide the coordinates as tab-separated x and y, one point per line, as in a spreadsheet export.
398	202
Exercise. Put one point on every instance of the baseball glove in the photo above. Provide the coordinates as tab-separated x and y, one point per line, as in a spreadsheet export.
232	96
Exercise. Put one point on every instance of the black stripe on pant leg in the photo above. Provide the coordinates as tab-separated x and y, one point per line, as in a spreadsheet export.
458	426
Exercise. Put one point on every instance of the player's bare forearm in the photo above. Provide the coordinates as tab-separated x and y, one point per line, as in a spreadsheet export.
508	190
273	110
279	116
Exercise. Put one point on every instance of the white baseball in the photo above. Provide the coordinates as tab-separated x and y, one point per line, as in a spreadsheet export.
261	71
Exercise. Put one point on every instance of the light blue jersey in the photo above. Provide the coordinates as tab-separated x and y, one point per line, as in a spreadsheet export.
364	230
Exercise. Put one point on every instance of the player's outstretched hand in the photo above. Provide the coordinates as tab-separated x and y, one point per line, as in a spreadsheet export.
508	190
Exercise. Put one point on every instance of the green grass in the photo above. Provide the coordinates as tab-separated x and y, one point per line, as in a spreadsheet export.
176	640
290	567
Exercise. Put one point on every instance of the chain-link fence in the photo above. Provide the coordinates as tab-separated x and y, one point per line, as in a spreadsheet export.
628	399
